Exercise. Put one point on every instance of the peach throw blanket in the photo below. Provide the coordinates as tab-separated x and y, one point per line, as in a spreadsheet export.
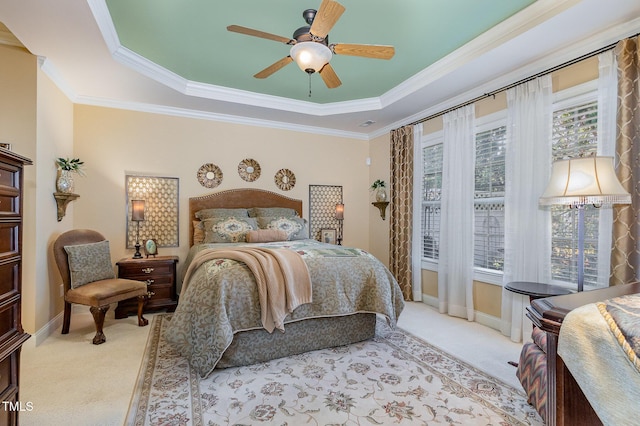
282	278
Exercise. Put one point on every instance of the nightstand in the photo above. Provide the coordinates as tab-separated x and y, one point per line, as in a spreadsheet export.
160	275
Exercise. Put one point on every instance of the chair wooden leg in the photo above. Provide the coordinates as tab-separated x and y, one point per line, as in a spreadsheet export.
66	321
142	301
98	317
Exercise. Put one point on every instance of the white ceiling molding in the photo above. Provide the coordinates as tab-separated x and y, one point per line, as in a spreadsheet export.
568	53
524	20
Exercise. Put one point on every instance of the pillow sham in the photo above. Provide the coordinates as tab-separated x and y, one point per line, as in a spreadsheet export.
198	232
209	213
272	212
89	262
228	229
266	236
295	227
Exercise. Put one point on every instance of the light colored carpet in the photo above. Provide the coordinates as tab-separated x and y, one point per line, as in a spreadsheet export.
72	382
394	378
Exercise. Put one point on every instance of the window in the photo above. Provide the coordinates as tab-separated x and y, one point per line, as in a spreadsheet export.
431	191
574	134
489	199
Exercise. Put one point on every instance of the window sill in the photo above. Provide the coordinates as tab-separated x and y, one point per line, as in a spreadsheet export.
479	274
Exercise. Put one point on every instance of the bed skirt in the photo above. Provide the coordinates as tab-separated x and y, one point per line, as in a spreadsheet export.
254	346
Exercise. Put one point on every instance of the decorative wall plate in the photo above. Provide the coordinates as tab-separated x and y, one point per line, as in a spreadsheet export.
209	175
249	169
285	179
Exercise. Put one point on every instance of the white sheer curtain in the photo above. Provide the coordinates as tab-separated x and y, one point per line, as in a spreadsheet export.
416	242
455	266
607	108
527	239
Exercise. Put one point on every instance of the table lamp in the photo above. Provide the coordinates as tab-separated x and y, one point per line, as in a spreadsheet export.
137	215
340	219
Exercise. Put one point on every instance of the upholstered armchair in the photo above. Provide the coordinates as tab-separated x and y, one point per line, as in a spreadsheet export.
84	262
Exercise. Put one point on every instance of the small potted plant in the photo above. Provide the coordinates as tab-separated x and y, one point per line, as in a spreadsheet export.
66	167
379	187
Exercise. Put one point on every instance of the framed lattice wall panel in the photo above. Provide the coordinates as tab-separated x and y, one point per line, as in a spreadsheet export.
322	208
160	211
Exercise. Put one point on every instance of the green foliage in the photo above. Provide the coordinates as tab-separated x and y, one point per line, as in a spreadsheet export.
71	164
378	183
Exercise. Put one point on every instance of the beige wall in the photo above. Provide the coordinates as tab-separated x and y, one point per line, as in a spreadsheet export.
18	109
55	139
380	155
37	119
487	298
114	142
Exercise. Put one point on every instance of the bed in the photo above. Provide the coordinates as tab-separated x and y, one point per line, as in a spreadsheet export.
600	345
219	320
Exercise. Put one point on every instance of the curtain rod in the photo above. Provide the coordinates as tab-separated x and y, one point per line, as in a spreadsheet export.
524	80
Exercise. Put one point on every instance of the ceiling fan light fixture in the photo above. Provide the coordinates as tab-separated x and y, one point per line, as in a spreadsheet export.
310	56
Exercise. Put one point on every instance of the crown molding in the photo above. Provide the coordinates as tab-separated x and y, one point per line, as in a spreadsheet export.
516	25
204	115
522	21
8	39
560	56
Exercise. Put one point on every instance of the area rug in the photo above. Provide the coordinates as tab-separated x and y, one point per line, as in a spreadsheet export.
394	378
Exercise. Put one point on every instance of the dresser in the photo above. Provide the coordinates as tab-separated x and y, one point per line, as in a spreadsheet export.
566	404
12	336
160	275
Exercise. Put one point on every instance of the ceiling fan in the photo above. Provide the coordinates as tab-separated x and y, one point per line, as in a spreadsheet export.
310	44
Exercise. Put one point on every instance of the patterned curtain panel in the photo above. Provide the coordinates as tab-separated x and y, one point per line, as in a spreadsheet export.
625	257
401	208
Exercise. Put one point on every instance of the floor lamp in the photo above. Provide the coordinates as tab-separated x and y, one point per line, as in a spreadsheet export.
580	181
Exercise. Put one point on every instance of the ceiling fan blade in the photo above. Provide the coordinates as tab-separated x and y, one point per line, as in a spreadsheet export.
274	67
365	50
326	17
330	77
261	34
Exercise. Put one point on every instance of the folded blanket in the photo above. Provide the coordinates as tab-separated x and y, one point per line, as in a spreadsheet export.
281	275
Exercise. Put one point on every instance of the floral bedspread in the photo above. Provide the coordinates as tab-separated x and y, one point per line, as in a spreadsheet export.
221	297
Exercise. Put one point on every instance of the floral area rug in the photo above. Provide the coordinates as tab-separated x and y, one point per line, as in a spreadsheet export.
394	378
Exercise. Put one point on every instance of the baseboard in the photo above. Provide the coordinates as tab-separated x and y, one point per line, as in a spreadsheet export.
480	317
39	336
56	323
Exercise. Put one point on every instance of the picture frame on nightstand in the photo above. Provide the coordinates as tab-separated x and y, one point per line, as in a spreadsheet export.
151	247
328	235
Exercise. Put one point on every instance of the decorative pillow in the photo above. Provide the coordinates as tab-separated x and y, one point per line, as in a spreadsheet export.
209	213
295	227
266	236
89	263
228	229
198	232
272	212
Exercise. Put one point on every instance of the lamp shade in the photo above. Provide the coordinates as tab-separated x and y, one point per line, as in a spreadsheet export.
310	56
585	180
137	210
340	211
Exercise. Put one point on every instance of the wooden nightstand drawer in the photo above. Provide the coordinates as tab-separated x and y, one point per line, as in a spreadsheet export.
145	270
160	275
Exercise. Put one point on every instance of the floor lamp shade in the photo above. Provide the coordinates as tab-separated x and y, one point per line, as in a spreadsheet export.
580	181
586	180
